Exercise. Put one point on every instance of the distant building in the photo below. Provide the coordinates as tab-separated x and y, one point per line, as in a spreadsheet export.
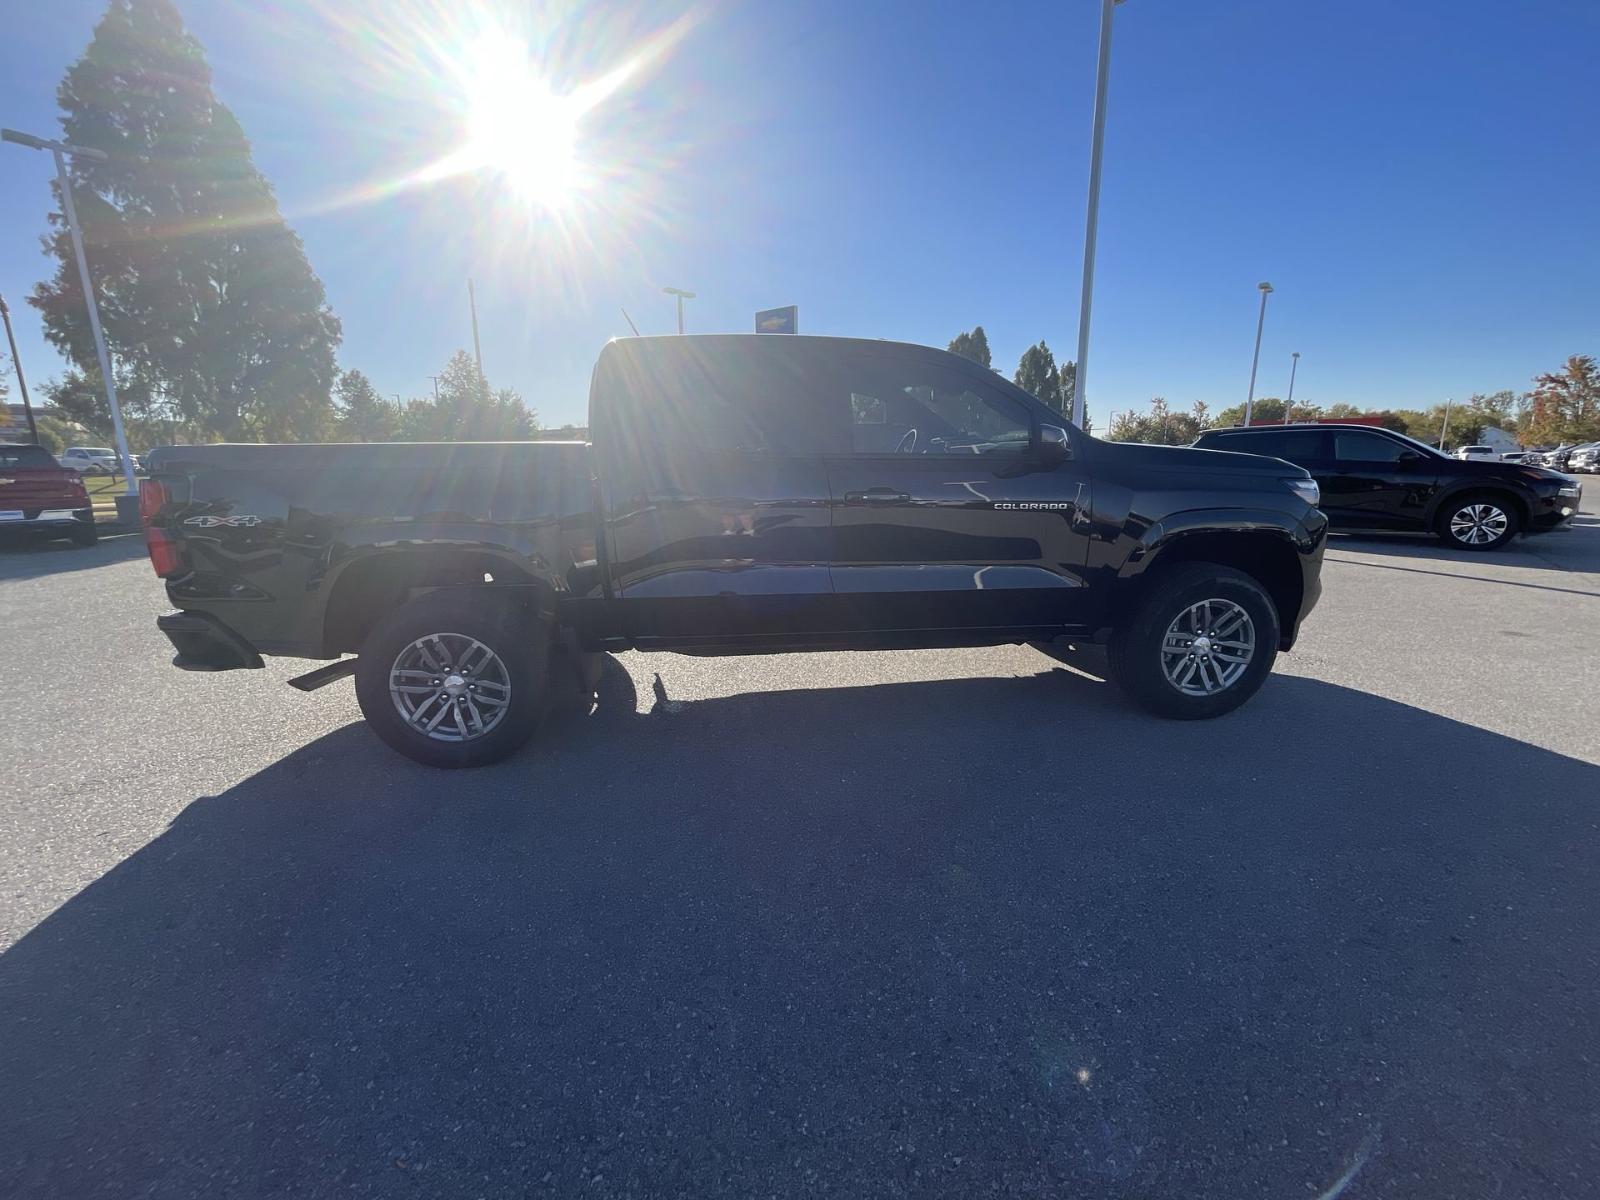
1498	440
13	423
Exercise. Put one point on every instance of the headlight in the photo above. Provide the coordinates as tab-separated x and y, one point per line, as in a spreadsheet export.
1571	489
1306	489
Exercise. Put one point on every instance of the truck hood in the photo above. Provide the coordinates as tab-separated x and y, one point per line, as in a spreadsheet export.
1189	458
1512	471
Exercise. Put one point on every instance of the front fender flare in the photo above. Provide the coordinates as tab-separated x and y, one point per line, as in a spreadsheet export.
1171	529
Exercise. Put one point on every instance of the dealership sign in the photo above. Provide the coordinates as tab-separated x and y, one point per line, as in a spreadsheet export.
778	320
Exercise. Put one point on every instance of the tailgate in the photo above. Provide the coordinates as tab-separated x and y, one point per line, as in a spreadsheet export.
28	490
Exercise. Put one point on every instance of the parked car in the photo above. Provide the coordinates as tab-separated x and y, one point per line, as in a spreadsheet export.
1515	456
38	494
91	460
1584	459
1476	453
1378	480
742	494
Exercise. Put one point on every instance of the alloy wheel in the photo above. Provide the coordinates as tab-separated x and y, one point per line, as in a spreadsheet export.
1477	524
1208	647
450	687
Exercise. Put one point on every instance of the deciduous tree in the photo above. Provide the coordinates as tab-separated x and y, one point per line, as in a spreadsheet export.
209	306
1565	406
467	409
1160	426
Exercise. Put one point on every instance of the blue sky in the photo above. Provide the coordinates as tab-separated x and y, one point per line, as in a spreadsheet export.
1419	181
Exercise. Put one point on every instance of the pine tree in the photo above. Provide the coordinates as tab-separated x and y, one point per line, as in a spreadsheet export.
974	345
1037	373
364	415
210	308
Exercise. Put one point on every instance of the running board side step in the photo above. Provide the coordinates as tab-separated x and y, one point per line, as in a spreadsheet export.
323	676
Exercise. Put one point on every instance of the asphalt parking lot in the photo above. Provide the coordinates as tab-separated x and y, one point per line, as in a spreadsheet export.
935	923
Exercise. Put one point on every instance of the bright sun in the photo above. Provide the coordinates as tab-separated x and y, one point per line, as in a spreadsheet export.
518	127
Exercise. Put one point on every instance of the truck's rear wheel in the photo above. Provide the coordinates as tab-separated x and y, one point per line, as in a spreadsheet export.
452	680
1199	643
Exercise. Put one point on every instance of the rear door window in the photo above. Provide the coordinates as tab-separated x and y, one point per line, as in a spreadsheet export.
737	394
1292	445
1357	446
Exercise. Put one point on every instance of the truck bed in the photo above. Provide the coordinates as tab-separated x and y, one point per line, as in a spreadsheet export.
276	539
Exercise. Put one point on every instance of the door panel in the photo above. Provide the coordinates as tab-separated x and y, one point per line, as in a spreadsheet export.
1368	484
722	544
932	542
710	454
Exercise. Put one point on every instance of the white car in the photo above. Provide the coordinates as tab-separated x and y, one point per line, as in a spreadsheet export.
91	460
1469	453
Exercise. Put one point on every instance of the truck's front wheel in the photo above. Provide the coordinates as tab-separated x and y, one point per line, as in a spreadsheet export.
453	680
1199	643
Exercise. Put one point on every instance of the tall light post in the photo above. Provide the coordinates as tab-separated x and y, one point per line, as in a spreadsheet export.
126	509
1288	405
16	361
1091	225
682	296
1250	400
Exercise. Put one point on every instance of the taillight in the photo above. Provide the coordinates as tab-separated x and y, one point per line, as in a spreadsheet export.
152	495
166	556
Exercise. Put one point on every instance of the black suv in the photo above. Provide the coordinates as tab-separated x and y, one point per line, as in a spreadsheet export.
1374	479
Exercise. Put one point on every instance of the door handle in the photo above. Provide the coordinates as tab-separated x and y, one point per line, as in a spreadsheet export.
878	495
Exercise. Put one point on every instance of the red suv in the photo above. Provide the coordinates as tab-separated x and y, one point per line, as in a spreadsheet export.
36	492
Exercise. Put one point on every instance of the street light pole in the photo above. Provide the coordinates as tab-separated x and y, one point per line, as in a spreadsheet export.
1250	400
16	361
682	296
1288	405
1091	225
60	149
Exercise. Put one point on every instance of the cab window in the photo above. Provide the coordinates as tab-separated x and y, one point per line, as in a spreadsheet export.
1355	446
913	406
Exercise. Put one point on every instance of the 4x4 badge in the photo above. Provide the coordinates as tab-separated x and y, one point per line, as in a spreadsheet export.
213	522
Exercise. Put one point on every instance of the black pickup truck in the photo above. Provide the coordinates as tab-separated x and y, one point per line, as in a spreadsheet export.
742	494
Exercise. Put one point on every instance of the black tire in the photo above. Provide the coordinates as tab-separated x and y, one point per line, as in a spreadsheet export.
1136	655
1464	517
520	643
84	533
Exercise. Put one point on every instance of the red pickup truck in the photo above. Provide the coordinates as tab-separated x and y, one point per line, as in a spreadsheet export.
38	493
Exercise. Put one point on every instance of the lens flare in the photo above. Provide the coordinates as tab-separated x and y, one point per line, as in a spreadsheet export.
518	128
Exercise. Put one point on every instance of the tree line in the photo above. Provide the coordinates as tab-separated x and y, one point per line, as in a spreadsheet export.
1037	371
1563	407
218	327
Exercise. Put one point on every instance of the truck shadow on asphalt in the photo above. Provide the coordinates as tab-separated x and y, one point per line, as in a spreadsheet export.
961	937
26	555
1574	549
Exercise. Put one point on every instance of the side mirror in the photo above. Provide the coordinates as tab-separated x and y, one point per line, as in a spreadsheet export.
1054	446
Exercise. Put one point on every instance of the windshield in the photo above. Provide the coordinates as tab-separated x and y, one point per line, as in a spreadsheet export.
1432	451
